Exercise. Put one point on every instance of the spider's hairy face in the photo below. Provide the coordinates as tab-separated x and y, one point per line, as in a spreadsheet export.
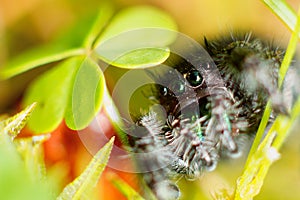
210	109
205	114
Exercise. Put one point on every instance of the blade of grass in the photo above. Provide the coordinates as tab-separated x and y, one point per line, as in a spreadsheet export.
289	54
33	156
13	125
282	71
262	155
124	188
283	124
83	185
283	11
250	183
260	132
17	181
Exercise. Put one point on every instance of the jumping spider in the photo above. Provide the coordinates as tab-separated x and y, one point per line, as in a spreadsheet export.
208	108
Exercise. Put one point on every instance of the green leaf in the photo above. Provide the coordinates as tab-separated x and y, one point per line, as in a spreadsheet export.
83	185
124	188
13	125
284	11
72	89
137	37
36	57
85	97
141	58
67	44
135	18
51	92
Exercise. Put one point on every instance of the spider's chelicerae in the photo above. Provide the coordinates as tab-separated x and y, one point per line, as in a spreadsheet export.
208	109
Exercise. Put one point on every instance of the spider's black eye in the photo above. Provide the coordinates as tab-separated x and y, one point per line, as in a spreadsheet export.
178	87
194	78
164	91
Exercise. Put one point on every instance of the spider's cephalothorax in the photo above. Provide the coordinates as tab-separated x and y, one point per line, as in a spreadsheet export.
208	109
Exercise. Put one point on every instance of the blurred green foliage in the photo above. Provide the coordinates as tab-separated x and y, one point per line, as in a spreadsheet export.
22	168
17	181
74	89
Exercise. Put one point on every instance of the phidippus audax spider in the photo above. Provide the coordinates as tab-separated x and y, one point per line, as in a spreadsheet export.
209	104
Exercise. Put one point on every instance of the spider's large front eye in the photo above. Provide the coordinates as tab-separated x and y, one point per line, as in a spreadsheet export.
194	78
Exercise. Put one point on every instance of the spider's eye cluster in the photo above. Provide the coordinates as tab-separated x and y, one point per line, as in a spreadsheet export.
178	86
